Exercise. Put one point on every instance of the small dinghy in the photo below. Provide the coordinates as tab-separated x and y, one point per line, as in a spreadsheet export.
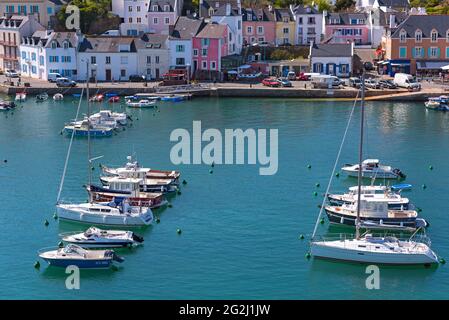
401	187
175	97
82	258
58	97
21	96
144	103
440	103
42	97
7	105
98	238
114	99
371	168
97	98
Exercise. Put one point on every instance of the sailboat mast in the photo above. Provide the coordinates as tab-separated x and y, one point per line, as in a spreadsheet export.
88	127
359	185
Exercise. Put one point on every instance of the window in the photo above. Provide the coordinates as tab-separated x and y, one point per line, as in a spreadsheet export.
41	60
285	31
22	10
24	68
434	52
204	42
124	60
66	45
286	19
34	9
33	69
261	39
249	29
130	20
180	61
402	36
418	36
54	70
93	60
54	45
138	8
260	30
213	65
167	20
108	60
50	11
239	25
402	52
447	52
139	20
53	59
195	52
343	68
155	21
130	8
311	20
434	36
167	8
123	73
204	65
66	59
148	59
418	52
179	48
24	55
300	20
156	58
155	8
204	52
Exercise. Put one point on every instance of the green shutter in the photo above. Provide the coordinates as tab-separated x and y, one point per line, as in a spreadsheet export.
413	52
438	52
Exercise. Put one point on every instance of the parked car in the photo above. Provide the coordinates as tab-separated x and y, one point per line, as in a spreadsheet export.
53	76
137	78
65	82
355	82
291	75
285	82
388	84
303	77
11	73
372	84
271	82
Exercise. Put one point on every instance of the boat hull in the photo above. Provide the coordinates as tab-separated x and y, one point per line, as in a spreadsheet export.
338	201
103	219
152	188
80	263
325	250
93	133
98	245
378	174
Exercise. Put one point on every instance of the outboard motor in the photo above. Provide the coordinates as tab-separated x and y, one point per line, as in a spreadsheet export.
137	238
111	253
399	173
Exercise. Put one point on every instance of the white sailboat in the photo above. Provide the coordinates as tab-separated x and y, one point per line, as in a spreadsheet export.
367	248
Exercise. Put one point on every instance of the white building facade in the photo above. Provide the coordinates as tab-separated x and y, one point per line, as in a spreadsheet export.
135	17
153	55
232	17
309	24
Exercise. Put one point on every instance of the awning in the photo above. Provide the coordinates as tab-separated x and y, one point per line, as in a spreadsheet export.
245	66
232	72
430	65
404	64
445	67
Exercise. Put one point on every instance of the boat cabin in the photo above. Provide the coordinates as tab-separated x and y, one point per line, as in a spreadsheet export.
371	163
125	184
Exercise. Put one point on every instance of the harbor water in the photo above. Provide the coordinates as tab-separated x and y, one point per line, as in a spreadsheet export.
240	230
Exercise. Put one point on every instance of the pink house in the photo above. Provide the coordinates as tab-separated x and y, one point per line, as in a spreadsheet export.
348	27
209	46
259	26
162	14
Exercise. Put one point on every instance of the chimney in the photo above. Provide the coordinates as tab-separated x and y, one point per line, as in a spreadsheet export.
228	9
392	23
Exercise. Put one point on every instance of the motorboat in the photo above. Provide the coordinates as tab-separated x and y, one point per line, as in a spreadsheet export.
374	210
120	189
132	169
176	97
146	184
376	250
108	215
114	99
440	103
84	128
58	97
371	168
21	96
98	238
77	256
395	200
120	118
7	105
97	98
143	103
42	97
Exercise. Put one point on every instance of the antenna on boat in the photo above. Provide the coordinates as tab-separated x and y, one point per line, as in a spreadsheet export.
359	184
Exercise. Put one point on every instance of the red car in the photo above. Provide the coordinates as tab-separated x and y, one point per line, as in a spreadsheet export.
270	82
302	77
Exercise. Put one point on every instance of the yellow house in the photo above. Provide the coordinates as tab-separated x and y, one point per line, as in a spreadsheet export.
285	26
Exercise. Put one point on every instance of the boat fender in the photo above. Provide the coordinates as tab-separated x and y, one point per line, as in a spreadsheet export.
169	205
430	167
322	221
315	193
178	192
301	237
5	161
211	171
308	255
178	231
158	220
442	261
381	221
342	220
337	174
317	185
309	166
46	223
37	265
424	186
184	182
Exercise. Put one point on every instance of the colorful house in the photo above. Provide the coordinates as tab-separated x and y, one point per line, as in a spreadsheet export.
259	26
332	59
162	14
285	26
42	10
348	27
419	45
232	17
209	46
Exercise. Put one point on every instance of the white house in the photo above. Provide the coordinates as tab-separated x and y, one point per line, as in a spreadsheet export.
109	58
135	17
332	59
231	16
180	41
309	24
153	55
49	52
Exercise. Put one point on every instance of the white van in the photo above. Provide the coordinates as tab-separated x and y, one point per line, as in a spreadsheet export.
112	33
53	76
325	81
405	80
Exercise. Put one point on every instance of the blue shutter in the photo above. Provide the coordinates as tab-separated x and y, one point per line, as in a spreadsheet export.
413	53
429	53
423	54
327	68
314	67
438	52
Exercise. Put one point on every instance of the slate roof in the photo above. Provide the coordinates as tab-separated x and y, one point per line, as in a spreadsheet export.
152	41
346	17
394	3
279	14
106	44
257	14
215	4
305	10
332	50
212	30
161	4
185	28
425	23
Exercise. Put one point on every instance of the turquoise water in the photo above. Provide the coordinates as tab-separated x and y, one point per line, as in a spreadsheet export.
239	229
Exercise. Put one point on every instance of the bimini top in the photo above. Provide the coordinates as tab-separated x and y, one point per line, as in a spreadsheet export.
371	161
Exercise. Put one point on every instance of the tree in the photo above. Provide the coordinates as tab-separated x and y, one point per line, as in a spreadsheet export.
323	5
344	4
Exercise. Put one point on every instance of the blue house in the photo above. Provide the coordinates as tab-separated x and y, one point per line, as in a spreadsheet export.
332	58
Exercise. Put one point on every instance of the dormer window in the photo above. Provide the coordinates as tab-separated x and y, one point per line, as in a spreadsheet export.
54	45
155	8
217	5
434	36
402	36
166	8
447	36
418	36
211	11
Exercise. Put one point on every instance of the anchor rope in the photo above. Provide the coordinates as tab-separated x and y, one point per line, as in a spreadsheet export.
335	166
69	150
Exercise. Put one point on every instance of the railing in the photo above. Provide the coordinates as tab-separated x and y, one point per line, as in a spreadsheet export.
421	238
